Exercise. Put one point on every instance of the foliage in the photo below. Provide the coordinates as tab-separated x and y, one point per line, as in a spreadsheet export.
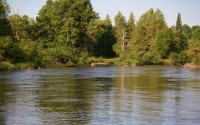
130	28
196	33
149	58
100	32
5	28
120	34
179	58
179	24
65	22
187	31
180	43
165	40
70	32
194	51
7	49
143	43
22	26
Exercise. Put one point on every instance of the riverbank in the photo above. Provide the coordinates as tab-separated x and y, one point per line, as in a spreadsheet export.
9	66
191	65
92	61
6	66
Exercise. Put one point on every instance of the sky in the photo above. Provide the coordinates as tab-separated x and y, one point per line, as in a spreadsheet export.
189	9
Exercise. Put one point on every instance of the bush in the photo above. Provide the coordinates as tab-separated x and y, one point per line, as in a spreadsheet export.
6	66
149	58
194	51
7	48
179	58
70	64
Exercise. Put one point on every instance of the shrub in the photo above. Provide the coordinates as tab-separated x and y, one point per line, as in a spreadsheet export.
6	66
149	58
179	58
194	51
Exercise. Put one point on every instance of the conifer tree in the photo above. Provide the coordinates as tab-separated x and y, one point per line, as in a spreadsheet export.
143	44
120	34
179	24
130	27
180	43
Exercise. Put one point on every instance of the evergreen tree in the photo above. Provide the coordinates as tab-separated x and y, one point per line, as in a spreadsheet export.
130	27
165	41
108	20
144	40
120	34
108	38
100	32
179	24
180	43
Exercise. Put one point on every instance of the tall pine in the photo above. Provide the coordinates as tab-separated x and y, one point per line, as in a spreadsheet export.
120	34
143	44
179	24
130	28
180	43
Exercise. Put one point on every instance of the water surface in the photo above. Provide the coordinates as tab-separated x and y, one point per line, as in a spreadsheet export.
101	95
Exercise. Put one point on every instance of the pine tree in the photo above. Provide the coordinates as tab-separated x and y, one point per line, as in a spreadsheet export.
130	27
101	33
108	20
164	43
120	34
180	43
143	44
179	24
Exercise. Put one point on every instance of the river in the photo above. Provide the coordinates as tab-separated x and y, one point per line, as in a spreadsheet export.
147	95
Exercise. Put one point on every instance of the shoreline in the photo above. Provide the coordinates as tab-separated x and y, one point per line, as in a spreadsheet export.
93	64
191	65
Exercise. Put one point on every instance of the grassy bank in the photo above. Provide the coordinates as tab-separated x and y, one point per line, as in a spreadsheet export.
85	61
9	66
25	65
6	66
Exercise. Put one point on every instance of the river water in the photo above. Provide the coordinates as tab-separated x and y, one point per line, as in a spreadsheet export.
148	95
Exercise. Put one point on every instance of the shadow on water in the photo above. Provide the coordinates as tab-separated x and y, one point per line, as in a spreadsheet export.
100	95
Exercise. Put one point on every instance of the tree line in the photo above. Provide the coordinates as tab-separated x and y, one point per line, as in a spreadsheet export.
70	32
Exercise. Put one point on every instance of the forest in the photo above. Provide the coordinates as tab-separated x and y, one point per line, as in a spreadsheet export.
71	33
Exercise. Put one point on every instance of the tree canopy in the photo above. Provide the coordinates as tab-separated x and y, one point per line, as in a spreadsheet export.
70	32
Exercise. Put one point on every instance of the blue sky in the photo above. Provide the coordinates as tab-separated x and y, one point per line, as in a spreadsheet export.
189	9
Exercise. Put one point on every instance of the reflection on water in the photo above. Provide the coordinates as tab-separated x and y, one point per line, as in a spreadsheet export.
100	95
